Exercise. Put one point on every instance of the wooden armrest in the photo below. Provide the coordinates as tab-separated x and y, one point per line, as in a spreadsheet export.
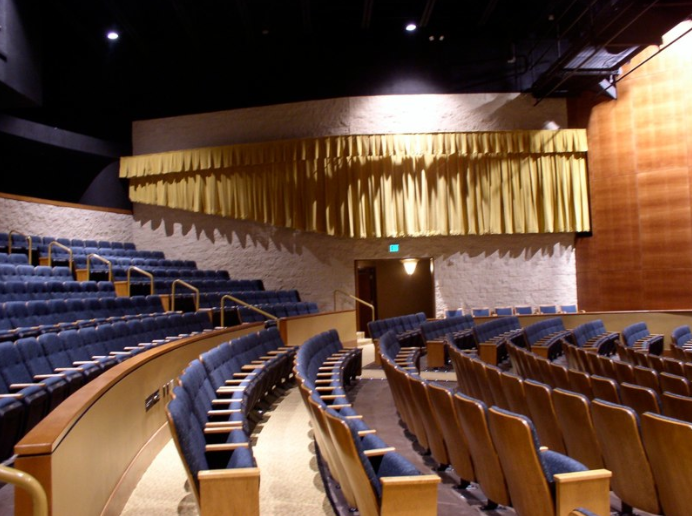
45	376
324	389
222	390
16	396
333	396
221	412
325	368
222	424
60	369
219	491
357	416
590	489
376	452
20	386
242	375
361	433
219	429
340	406
84	362
224	446
234	382
415	494
225	401
250	367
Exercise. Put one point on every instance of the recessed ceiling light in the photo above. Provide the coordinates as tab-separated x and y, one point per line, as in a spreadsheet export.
112	35
411	27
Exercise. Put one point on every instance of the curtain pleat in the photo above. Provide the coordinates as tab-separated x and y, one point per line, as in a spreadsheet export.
381	185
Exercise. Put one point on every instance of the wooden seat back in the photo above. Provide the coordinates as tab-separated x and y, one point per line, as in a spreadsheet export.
573	413
489	475
617	429
667	443
539	400
641	399
605	388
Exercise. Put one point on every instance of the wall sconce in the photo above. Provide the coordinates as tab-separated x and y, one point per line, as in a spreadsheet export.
410	265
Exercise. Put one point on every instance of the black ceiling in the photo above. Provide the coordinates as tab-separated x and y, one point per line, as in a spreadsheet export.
183	56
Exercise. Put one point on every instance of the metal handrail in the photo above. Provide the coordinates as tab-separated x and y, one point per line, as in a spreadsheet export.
55	243
28	239
357	299
101	259
142	272
28	483
185	284
241	302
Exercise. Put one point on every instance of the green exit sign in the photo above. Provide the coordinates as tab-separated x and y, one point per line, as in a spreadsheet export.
393	248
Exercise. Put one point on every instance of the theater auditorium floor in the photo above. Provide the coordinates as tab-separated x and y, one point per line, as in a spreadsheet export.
284	449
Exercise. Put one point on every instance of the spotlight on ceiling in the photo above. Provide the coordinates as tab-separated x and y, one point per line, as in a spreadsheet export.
112	35
411	27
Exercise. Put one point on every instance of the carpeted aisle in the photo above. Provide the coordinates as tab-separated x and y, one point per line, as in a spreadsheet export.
290	483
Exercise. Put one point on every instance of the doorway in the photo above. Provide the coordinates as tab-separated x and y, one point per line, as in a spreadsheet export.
394	292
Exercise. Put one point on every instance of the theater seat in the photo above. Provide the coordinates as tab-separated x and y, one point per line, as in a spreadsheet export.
541	482
617	430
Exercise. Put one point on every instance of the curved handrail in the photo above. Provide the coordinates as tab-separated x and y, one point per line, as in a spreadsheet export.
357	299
100	259
241	302
185	284
55	243
29	484
9	243
143	273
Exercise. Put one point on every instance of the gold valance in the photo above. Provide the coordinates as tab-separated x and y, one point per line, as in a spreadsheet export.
381	185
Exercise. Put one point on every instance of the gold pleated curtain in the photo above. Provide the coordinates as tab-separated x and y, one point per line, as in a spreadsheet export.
381	185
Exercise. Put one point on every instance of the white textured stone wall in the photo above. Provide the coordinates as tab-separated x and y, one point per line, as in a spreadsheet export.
44	219
354	115
469	271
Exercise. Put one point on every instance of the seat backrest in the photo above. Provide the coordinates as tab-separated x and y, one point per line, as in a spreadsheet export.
517	446
641	399
624	372
617	430
472	415
523	310
539	400
633	332
441	401
647	377
513	386
573	413
677	406
580	382
494	375
433	432
666	441
675	384
605	388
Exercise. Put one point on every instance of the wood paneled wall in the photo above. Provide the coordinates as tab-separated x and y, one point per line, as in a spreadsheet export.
640	173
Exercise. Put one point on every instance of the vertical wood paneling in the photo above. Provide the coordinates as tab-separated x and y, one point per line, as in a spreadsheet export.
640	169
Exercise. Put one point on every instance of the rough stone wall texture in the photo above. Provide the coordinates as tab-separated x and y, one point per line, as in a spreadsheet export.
353	115
469	271
44	219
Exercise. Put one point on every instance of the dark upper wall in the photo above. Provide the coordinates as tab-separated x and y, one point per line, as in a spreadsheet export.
20	63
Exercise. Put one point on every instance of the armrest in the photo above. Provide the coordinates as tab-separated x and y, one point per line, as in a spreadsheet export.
20	386
370	431
16	396
61	369
376	452
589	489
409	494
218	491
225	446
85	362
45	376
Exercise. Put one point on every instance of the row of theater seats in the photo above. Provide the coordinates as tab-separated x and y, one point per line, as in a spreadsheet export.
38	373
30	318
14	258
44	290
20	241
11	272
375	480
279	310
80	262
603	422
513	310
211	417
494	447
